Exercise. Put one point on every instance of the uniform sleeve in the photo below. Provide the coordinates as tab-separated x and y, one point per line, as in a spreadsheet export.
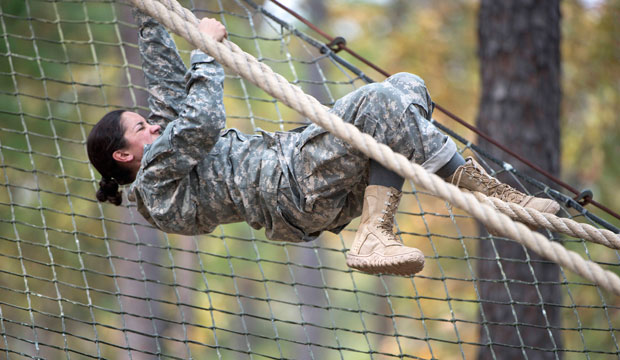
187	139
163	69
202	117
166	179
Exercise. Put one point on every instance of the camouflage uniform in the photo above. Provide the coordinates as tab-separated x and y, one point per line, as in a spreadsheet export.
295	184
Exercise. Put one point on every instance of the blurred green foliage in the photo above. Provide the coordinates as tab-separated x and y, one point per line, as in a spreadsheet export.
79	277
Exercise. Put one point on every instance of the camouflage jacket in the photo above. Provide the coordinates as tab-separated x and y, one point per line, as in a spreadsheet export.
196	176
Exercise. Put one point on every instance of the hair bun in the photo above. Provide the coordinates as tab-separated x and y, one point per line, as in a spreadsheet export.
108	191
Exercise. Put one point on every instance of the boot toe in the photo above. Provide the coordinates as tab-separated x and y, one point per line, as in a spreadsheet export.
543	205
552	208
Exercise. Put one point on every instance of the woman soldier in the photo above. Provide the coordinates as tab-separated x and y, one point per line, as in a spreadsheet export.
187	175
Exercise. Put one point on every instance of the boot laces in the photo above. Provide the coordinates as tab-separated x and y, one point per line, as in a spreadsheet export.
386	220
495	188
507	193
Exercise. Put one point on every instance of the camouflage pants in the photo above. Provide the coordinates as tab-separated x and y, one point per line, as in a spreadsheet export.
328	176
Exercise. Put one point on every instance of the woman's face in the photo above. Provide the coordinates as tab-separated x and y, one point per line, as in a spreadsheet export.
138	133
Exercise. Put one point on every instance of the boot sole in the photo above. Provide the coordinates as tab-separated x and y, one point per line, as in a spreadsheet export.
377	264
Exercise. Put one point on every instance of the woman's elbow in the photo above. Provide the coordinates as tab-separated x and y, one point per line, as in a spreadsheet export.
179	219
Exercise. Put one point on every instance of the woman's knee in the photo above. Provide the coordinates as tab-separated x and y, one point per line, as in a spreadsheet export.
415	88
407	78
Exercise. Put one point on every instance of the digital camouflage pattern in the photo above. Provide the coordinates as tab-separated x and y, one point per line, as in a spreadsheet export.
295	184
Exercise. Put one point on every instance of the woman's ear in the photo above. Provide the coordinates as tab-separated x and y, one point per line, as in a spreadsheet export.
122	156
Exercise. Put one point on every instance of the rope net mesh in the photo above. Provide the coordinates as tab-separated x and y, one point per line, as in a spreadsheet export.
84	280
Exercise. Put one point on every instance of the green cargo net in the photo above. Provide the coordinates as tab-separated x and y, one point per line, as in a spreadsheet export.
84	280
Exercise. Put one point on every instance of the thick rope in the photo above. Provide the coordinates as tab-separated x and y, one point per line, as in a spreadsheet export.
261	75
554	223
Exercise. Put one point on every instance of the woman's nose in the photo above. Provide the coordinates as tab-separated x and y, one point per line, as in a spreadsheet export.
155	129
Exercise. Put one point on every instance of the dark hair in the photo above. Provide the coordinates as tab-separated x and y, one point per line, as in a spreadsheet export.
104	139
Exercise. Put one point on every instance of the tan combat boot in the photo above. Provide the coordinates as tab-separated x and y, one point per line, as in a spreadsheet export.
376	249
472	176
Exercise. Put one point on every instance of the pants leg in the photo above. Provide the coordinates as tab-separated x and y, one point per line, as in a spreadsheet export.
331	174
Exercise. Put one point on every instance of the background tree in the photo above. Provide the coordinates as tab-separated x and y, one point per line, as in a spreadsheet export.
519	49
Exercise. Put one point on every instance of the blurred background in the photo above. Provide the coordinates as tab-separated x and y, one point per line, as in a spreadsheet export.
80	279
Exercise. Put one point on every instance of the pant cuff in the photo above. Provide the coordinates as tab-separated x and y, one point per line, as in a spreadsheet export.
441	157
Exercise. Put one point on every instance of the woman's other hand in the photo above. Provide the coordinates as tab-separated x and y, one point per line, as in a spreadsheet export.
213	28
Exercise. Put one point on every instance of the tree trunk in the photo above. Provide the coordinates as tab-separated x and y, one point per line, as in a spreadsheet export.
520	72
